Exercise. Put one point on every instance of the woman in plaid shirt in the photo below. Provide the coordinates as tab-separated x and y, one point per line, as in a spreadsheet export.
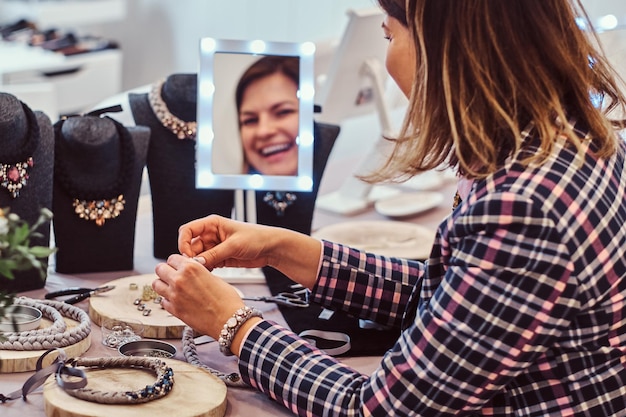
520	310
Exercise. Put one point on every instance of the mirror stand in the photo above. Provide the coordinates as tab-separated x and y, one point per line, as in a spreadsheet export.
245	206
245	211
354	195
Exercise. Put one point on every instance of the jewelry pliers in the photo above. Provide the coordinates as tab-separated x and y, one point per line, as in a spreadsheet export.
82	293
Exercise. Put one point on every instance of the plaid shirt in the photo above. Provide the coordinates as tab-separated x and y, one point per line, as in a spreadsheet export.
520	310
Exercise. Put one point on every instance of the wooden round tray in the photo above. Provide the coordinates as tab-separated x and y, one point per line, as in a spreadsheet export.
118	304
26	360
196	393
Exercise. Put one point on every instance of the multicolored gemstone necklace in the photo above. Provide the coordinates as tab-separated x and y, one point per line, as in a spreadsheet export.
97	205
14	168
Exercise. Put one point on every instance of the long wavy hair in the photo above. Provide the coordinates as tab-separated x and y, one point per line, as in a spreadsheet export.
485	69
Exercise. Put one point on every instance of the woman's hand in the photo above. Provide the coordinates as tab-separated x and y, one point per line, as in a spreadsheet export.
216	241
203	300
194	295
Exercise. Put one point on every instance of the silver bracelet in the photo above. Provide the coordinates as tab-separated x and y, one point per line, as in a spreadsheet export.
232	325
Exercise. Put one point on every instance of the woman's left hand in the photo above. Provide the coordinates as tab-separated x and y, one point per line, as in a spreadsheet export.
193	294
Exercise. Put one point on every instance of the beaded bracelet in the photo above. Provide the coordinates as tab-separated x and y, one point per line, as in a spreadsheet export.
232	325
162	386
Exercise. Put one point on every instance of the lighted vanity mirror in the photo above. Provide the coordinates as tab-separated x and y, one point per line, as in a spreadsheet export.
255	115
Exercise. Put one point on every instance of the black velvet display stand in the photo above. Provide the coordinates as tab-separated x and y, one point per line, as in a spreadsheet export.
92	154
171	166
14	129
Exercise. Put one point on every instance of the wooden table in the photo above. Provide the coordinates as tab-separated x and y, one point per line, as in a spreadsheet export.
241	402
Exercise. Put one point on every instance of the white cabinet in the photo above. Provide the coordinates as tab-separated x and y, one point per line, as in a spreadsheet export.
77	81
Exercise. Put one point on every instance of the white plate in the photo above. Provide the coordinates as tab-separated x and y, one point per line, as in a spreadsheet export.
387	238
408	204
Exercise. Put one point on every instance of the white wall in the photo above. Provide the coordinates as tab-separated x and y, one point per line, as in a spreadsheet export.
160	37
598	8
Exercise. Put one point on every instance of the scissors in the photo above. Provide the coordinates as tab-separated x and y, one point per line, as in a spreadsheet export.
286	299
82	293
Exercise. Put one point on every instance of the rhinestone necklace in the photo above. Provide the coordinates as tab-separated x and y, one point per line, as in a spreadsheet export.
180	128
97	205
14	168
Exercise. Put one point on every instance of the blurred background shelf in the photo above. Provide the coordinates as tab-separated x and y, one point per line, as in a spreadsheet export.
64	12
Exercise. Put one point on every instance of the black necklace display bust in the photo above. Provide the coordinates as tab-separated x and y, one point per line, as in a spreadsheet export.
25	134
171	165
98	161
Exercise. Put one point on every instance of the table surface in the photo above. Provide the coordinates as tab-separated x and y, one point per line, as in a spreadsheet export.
241	402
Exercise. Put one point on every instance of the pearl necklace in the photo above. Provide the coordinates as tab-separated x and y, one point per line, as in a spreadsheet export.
180	128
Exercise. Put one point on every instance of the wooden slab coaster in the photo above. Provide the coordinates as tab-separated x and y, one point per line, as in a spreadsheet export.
118	304
26	360
196	393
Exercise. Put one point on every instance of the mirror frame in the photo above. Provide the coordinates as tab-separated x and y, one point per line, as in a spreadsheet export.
206	178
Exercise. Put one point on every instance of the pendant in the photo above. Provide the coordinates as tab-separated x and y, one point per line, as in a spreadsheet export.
14	177
99	211
279	201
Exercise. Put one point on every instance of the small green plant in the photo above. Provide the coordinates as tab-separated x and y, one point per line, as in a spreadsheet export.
16	252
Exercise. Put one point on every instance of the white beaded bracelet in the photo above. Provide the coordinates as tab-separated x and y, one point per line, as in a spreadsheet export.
232	325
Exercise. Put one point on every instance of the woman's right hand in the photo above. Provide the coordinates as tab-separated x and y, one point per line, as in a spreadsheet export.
216	242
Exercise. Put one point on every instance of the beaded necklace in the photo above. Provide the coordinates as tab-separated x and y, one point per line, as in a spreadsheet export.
97	205
14	168
180	128
71	377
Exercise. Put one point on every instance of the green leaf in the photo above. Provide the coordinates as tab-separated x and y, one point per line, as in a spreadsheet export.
7	268
19	236
41	251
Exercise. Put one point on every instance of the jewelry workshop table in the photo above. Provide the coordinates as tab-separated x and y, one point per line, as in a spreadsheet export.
241	402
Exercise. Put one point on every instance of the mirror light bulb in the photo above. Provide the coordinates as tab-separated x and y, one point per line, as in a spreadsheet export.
257	47
256	181
208	45
607	22
307	48
305	182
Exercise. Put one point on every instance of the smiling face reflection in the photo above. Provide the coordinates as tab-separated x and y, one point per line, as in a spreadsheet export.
269	123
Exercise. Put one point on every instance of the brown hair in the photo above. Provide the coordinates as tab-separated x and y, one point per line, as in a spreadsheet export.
268	65
395	9
487	68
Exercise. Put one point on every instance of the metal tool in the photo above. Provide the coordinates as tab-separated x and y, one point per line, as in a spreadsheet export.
82	293
286	299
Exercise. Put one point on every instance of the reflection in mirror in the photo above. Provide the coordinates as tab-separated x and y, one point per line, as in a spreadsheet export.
255	115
